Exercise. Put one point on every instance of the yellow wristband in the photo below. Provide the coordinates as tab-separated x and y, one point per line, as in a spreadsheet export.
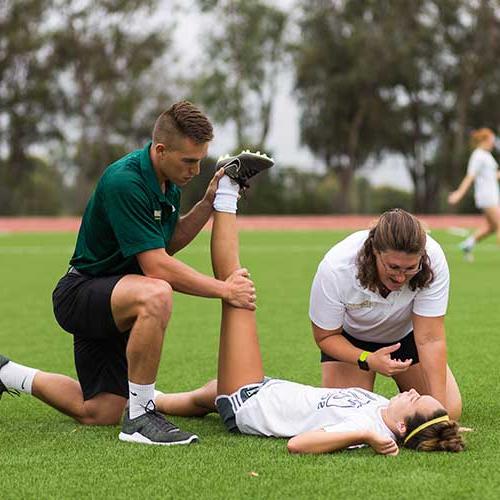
364	355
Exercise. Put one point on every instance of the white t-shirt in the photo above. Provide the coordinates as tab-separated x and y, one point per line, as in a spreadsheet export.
338	299
285	409
483	167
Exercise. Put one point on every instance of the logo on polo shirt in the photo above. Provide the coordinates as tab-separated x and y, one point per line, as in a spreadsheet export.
361	305
157	215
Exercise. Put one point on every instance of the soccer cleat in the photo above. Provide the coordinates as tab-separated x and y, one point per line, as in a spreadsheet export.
153	428
244	166
3	361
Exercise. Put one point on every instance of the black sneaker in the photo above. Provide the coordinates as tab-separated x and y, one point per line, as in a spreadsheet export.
153	428
244	166
3	361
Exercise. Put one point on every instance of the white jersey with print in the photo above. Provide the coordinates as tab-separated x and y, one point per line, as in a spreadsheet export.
338	299
285	409
483	167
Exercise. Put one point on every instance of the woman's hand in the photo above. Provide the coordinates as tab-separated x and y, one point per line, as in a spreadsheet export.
380	361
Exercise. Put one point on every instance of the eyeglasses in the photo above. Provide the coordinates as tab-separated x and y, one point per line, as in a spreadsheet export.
397	271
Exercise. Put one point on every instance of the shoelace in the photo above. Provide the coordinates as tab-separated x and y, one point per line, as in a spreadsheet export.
159	420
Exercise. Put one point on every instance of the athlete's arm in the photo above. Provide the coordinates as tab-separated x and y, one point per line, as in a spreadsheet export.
430	339
193	222
237	289
321	441
455	196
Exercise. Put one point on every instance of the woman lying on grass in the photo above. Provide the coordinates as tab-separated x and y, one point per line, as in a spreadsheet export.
317	420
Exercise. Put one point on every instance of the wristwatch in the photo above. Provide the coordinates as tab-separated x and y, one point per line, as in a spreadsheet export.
362	363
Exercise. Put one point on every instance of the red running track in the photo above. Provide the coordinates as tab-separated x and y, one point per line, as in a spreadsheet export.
261	222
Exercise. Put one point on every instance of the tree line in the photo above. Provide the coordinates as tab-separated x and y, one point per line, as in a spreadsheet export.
82	81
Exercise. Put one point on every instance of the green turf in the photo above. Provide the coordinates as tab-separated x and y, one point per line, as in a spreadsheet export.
44	454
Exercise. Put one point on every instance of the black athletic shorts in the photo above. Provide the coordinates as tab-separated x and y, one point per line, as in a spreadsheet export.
82	307
407	349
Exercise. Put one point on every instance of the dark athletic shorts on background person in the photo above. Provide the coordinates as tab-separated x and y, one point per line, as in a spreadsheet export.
82	307
407	349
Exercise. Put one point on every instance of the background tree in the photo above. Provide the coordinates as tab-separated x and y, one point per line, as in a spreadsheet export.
80	80
28	99
385	76
341	66
412	35
113	84
243	58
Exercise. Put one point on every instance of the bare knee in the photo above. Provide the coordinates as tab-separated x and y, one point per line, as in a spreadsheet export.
104	409
156	301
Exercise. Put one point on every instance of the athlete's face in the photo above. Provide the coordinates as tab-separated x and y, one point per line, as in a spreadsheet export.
407	404
181	164
397	268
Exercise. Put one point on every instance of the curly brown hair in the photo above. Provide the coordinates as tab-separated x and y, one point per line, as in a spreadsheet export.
182	119
441	436
399	231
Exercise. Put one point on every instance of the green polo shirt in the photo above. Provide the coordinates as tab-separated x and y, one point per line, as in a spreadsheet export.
127	214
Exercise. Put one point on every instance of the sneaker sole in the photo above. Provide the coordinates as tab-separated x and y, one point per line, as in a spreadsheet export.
136	437
232	165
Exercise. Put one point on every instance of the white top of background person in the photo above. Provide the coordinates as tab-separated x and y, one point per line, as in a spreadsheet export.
377	296
482	171
317	420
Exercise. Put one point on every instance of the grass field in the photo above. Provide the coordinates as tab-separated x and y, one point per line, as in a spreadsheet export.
44	454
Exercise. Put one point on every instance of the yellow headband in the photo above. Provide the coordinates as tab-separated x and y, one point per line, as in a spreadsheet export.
444	418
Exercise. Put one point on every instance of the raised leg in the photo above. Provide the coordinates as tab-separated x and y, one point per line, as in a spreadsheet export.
240	361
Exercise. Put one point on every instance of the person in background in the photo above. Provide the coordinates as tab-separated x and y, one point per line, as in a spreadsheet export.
482	171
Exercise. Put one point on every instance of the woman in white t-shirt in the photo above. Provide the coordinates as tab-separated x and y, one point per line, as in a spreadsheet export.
482	171
377	305
317	420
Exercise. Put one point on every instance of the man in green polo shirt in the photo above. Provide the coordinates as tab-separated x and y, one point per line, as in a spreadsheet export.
116	298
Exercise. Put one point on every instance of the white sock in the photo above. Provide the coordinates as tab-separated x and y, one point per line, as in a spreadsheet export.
469	243
18	377
139	397
226	196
